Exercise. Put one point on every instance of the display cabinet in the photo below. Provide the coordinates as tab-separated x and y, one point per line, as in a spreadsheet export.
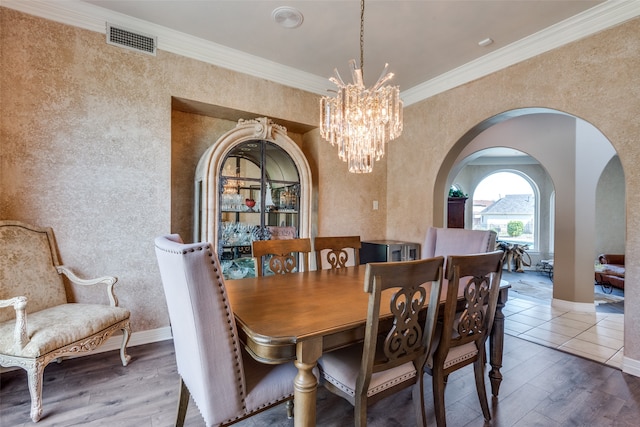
259	196
254	182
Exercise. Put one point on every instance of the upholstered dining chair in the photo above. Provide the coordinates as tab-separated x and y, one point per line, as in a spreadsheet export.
463	332
333	252
282	255
226	383
389	359
457	241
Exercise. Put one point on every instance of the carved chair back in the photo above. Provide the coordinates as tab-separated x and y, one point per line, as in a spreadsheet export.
466	324
396	348
282	255
28	266
334	251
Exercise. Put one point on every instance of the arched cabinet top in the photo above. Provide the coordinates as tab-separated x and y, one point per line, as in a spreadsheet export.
207	177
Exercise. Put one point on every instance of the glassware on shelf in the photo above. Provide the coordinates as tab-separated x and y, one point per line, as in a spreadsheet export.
268	200
238	233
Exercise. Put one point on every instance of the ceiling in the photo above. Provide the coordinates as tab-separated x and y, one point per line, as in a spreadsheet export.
420	40
431	45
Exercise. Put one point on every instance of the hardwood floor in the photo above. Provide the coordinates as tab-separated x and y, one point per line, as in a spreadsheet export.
541	387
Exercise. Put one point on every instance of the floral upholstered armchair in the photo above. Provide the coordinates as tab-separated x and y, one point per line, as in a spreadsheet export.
37	323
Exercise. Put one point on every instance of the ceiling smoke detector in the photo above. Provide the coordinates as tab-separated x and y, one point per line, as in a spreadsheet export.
287	17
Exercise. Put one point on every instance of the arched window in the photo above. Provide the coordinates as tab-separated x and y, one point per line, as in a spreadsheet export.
506	202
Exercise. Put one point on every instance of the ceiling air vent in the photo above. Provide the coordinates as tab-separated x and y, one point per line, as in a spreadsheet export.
126	38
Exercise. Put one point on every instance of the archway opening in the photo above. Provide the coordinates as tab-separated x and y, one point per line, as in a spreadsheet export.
573	154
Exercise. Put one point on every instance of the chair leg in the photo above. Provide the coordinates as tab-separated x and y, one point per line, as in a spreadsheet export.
439	382
290	409
34	378
126	334
478	369
360	410
418	400
183	403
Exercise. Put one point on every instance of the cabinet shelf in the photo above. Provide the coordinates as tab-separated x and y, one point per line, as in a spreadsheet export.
272	211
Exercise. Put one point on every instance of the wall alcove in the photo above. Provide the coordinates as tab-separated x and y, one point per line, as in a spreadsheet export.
216	168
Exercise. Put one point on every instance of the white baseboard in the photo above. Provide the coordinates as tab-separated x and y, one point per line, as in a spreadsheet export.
631	366
584	307
115	341
137	338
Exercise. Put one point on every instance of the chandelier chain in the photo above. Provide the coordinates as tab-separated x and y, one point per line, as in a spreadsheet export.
362	37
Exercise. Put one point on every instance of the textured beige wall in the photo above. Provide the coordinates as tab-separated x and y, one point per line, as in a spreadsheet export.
596	79
191	135
91	146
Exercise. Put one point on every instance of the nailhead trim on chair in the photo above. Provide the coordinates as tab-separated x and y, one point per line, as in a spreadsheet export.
233	337
460	359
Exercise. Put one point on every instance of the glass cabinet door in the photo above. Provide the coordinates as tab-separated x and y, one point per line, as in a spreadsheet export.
259	199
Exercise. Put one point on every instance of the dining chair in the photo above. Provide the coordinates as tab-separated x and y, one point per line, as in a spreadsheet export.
283	255
466	324
457	241
226	383
393	354
334	251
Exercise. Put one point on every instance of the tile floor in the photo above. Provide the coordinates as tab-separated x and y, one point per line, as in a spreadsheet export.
596	336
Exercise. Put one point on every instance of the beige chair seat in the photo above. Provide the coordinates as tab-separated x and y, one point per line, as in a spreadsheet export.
341	369
56	327
38	324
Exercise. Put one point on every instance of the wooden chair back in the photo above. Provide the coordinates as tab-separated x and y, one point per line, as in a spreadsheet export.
284	255
393	354
332	251
466	324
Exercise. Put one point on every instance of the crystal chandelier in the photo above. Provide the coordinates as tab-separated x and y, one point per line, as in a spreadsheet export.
359	120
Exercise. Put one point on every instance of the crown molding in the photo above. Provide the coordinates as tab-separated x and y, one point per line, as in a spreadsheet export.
94	18
598	18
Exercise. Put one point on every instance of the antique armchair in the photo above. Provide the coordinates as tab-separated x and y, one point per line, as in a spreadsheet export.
334	251
392	356
226	383
282	255
465	327
43	325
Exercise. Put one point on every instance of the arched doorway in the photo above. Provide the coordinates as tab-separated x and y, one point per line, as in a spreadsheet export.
574	154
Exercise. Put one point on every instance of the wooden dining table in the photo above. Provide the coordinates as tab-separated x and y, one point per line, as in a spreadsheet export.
298	316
